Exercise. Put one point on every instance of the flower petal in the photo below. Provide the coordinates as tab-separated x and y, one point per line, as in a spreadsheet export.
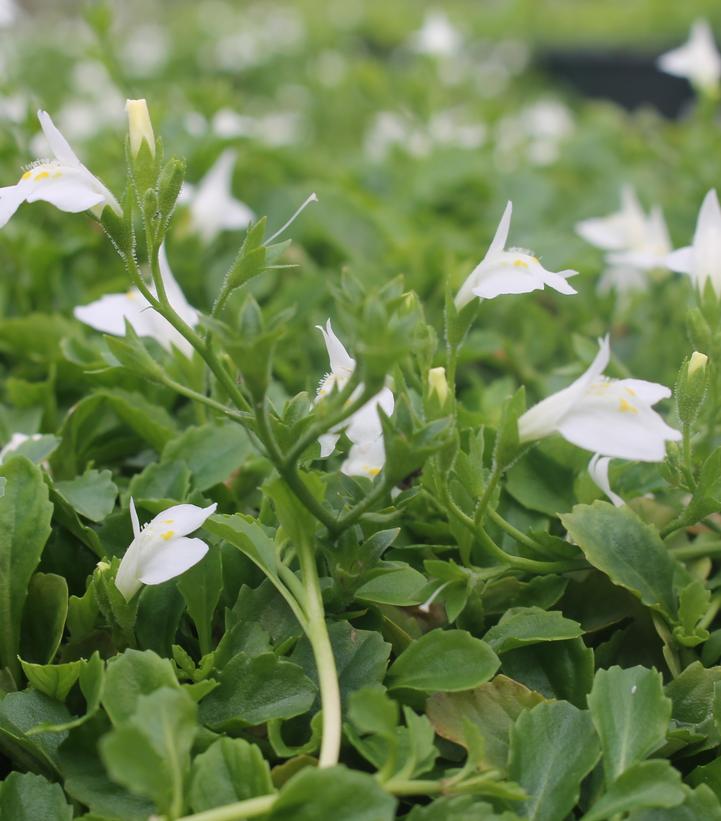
11	198
365	459
648	392
681	260
365	424
340	360
180	520
603	427
126	579
108	314
134	518
170	559
543	418
500	238
70	194
598	470
58	144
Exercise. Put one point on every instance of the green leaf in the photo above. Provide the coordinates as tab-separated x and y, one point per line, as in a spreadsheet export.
201	587
334	792
561	669
645	784
37	450
92	495
230	770
91	680
443	661
211	452
55	680
24	528
459	808
130	676
361	657
629	552
489	710
255	690
400	585
631	715
521	626
161	480
693	699
29	797
150	753
553	747
19	714
46	610
248	536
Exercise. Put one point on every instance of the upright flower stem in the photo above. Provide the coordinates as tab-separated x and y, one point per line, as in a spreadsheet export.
317	632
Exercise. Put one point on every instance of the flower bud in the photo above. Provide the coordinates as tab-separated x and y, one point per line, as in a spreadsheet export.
691	386
438	385
139	126
170	182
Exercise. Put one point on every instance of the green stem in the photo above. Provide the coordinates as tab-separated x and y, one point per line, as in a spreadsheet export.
189	393
694	551
512	531
710	614
350	518
251	808
317	632
518	562
482	505
289	472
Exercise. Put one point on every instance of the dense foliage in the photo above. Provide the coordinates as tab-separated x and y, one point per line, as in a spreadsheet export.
237	581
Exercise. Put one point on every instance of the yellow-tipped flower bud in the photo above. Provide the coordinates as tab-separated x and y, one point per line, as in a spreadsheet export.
697	362
139	126
691	386
438	384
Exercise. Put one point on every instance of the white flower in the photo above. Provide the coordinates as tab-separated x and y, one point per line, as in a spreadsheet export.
437	36
598	470
108	314
698	59
366	456
213	208
635	243
63	182
702	259
612	417
162	549
512	271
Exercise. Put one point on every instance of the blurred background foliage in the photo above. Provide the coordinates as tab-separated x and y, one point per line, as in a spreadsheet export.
413	141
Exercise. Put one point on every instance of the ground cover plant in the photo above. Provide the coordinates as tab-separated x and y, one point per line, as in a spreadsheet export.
359	510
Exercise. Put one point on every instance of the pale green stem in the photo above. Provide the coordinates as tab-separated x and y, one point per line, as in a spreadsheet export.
317	632
251	808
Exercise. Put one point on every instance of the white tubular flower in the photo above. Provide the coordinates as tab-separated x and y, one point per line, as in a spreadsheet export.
108	314
635	243
702	259
437	37
512	271
366	456
162	549
698	59
598	470
630	237
140	128
63	182
612	417
213	208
